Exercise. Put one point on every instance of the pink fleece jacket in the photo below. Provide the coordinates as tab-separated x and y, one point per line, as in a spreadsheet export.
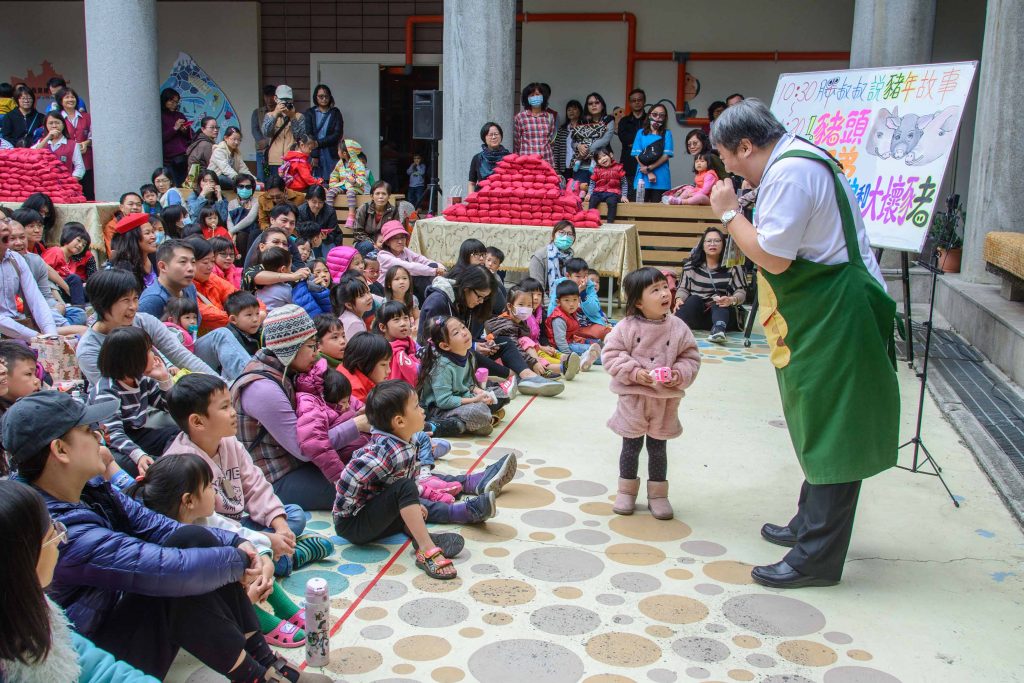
239	483
404	363
316	418
637	343
416	264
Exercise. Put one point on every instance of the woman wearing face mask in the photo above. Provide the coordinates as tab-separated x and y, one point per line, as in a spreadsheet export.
533	128
39	645
548	263
243	212
652	149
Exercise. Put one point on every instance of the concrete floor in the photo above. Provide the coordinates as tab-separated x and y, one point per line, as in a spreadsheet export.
557	589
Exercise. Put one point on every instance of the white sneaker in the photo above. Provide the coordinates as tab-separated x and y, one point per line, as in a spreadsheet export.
590	357
509	386
717	335
571	366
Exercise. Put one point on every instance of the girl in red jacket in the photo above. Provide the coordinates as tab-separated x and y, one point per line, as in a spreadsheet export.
295	165
394	322
607	182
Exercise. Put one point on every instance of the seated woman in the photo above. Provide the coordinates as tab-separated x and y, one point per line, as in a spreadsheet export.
40	645
547	264
709	292
114	294
371	217
315	210
394	252
226	159
207	193
163	178
56	140
264	397
134	247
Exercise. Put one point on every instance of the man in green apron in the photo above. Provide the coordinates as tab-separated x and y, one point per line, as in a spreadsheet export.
829	323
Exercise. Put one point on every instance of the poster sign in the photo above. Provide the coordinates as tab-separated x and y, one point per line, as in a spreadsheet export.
200	96
891	128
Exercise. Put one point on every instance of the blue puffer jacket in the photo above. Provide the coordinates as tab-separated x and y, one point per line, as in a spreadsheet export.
114	547
316	300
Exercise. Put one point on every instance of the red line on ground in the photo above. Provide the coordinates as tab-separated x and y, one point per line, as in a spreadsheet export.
398	553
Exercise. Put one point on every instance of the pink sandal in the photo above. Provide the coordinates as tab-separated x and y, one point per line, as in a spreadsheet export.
298	619
284	634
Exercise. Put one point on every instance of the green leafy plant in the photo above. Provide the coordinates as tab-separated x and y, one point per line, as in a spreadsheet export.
947	229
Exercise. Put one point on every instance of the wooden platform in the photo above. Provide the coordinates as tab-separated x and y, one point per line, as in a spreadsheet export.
667	233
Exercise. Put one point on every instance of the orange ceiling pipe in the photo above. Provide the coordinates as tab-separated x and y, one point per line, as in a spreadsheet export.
632	55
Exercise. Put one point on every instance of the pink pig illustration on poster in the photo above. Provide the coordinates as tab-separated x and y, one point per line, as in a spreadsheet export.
892	129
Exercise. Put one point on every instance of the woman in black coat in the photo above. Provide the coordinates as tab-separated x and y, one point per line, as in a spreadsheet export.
326	125
19	124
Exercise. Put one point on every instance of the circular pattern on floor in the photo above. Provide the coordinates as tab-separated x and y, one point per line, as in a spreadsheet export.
354	660
384	590
698	649
807	653
567	592
429	585
433	612
587	537
703	548
447	674
489	532
673	609
635	582
558	564
728	571
526	497
583	489
547	519
553	472
773	615
857	674
634	554
623	649
502	592
603	509
647	528
565	620
536	661
422	648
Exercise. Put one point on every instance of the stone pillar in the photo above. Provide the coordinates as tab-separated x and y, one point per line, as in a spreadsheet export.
892	33
479	63
124	93
998	136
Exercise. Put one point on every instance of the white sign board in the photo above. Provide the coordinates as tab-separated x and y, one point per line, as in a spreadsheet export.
891	128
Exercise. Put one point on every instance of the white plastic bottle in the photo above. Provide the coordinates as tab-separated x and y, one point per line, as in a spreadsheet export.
318	614
641	190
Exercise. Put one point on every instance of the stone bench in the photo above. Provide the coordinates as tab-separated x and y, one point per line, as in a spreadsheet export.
1004	256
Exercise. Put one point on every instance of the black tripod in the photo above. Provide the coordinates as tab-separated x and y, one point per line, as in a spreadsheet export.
922	456
432	187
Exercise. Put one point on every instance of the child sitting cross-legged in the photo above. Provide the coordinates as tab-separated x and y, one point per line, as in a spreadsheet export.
323	403
378	494
367	362
395	324
513	323
201	405
447	384
563	327
594	324
181	486
131	372
244	319
275	260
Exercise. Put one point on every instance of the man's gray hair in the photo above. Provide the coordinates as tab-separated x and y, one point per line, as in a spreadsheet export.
750	119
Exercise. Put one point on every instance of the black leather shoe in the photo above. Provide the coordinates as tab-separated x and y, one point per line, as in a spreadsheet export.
781	575
779	535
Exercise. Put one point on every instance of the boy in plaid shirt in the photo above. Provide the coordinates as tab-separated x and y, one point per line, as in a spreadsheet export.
377	491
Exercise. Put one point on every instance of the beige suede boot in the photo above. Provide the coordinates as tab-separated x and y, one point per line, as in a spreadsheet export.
625	500
657	500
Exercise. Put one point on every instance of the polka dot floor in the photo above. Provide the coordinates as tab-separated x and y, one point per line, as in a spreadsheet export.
556	588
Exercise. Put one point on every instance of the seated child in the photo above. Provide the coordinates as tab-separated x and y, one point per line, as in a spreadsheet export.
395	324
594	324
244	319
275	260
512	323
126	576
310	231
367	362
208	224
394	251
181	316
348	178
295	168
323	402
131	372
371	273
607	182
563	328
378	495
343	260
447	386
314	293
330	335
73	241
225	255
495	257
150	199
305	250
703	181
398	287
352	299
181	486
594	277
22	374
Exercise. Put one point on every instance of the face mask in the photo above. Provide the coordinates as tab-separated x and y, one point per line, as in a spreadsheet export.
563	242
535	100
523	312
244	192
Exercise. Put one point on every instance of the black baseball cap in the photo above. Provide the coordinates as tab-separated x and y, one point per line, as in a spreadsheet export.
37	419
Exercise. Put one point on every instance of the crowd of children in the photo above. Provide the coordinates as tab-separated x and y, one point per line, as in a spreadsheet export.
351	370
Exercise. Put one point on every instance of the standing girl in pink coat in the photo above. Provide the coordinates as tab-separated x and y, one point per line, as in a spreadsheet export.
652	357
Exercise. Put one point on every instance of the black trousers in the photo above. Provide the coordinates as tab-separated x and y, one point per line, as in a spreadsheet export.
697	316
823	525
495	369
306	487
381	516
153	440
147	631
609	198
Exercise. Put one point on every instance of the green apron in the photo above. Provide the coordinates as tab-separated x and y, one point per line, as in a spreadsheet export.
830	331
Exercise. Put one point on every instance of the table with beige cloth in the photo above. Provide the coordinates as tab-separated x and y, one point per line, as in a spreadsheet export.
613	250
93	215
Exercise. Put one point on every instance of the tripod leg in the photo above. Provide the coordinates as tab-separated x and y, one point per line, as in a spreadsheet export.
905	263
749	327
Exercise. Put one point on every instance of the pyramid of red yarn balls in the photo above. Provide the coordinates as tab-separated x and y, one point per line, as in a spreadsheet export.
27	171
522	190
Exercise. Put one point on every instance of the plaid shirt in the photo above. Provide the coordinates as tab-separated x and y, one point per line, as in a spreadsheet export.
533	134
374	467
135	405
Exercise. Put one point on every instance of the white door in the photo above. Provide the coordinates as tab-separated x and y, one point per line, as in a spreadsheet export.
356	89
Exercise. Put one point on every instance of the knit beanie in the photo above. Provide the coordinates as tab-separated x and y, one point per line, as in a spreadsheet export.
285	330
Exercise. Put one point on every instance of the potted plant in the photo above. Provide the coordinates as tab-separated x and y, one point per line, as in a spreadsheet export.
947	231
